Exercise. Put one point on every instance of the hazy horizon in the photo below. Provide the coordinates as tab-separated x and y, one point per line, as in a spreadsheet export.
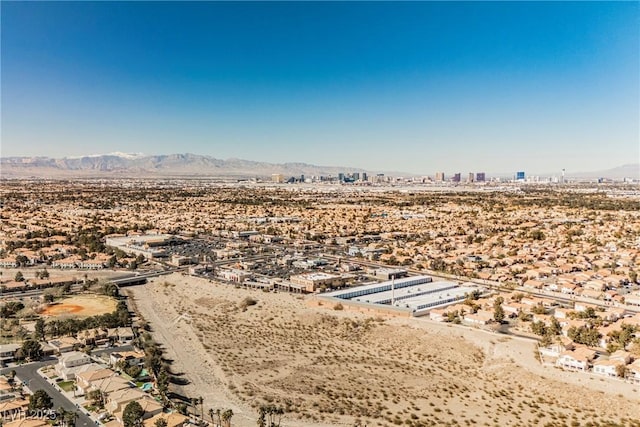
414	87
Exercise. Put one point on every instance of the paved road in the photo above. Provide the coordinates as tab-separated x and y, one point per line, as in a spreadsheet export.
27	373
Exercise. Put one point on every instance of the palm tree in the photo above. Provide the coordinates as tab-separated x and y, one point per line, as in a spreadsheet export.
53	328
226	417
211	414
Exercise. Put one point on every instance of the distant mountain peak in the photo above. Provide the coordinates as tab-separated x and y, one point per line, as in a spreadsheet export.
113	154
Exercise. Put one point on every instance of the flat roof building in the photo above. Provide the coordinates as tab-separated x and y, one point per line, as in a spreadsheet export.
313	281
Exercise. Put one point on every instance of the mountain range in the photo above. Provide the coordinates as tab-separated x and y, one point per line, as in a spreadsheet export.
194	165
139	165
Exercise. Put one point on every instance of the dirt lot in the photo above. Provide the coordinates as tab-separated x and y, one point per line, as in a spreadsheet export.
80	306
329	367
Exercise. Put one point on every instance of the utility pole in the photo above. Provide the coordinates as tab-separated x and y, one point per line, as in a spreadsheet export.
393	289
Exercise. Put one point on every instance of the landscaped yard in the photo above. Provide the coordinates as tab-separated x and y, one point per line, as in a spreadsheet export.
67	385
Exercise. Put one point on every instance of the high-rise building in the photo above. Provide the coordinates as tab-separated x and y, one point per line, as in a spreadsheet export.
341	177
277	178
439	176
520	176
470	177
364	176
456	177
356	176
480	177
301	178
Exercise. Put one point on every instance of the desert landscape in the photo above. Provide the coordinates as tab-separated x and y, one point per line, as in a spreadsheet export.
243	348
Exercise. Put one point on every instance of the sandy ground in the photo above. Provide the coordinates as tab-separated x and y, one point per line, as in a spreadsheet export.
330	367
80	306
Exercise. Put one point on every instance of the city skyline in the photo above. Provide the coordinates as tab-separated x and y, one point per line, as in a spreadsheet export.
412	87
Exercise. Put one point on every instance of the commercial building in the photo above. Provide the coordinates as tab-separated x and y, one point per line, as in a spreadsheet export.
147	245
390	273
480	177
456	177
439	176
443	293
277	178
414	296
379	287
410	292
313	281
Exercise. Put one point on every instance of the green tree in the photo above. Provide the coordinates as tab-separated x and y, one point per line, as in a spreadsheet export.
19	277
10	309
584	335
40	400
110	289
32	350
39	330
70	418
539	328
555	328
96	397
112	261
132	415
498	311
161	422
133	371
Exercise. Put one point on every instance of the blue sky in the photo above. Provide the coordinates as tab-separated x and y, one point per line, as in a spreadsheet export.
415	87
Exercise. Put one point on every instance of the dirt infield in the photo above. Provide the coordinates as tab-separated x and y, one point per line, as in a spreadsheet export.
81	306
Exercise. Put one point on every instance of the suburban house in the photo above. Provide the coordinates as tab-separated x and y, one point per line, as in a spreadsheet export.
561	313
173	419
69	374
12	406
479	318
64	344
131	357
26	422
7	353
72	359
608	368
634	372
578	359
621	356
85	379
122	335
93	336
149	406
562	345
117	400
110	384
